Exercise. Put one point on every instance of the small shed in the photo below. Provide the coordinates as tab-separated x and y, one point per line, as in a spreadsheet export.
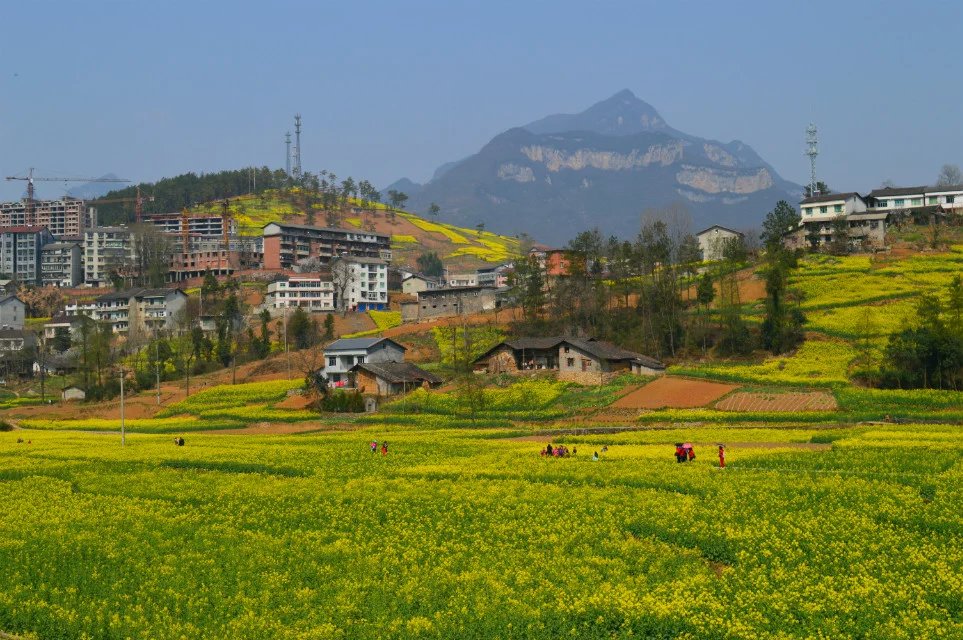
73	393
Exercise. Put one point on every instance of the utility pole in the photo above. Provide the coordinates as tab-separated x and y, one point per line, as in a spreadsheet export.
123	431
287	354
157	365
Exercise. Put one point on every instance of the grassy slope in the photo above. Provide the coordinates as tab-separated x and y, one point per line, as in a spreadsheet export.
411	235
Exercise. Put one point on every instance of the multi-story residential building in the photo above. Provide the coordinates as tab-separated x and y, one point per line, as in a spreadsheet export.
138	309
107	251
286	244
204	255
203	225
415	283
366	286
342	355
950	198
12	312
830	206
155	309
312	292
461	279
63	322
64	218
20	249
60	264
494	276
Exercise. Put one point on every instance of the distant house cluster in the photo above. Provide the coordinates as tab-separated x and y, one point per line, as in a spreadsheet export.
865	219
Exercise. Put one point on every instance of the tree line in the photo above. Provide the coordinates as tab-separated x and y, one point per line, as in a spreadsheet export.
654	293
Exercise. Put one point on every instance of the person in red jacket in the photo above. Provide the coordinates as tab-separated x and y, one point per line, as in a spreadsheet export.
722	456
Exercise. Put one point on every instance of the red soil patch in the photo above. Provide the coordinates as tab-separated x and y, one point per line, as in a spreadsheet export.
783	402
674	393
293	402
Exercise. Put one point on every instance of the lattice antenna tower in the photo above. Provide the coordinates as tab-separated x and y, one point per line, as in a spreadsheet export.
287	154
297	147
812	150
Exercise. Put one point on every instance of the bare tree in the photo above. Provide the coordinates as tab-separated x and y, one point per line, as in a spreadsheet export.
341	278
950	175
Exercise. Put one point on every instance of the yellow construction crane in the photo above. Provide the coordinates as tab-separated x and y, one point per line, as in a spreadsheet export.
138	201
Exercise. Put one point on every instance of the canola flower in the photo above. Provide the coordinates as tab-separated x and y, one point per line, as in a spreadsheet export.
462	534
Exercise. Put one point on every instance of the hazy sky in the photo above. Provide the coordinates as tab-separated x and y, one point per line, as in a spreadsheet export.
391	89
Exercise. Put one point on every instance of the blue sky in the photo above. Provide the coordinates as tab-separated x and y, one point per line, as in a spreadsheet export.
391	89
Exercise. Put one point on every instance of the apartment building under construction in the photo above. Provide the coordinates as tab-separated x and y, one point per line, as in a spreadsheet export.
66	218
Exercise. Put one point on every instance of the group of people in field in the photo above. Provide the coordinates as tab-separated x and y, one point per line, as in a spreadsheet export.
561	451
684	452
374	447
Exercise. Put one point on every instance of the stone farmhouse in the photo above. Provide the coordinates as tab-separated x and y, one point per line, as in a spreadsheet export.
583	360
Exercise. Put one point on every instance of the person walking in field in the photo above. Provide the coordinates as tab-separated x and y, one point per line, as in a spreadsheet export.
595	457
722	456
384	448
374	446
679	452
690	453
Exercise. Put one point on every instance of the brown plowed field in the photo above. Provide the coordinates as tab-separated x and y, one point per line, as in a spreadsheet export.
761	401
674	393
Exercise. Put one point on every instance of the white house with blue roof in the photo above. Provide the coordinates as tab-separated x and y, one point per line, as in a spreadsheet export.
341	355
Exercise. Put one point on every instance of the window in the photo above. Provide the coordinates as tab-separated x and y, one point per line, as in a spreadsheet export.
933	200
332	362
823	209
838	208
916	202
570	362
874	224
898	202
950	199
360	359
567	349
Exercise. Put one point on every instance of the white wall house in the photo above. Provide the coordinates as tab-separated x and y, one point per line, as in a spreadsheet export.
312	292
713	240
899	198
367	287
341	355
830	206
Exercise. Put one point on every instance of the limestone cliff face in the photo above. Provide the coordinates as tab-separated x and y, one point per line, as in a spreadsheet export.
512	171
719	155
710	180
558	159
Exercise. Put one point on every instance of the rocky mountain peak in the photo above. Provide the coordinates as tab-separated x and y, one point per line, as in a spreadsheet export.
623	114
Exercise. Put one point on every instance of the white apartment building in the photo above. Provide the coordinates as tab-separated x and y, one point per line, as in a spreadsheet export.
830	206
107	250
462	279
367	287
311	292
901	198
20	249
60	264
142	309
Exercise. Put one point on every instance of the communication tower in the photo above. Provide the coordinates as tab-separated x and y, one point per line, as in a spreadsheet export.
297	147
812	150
287	154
